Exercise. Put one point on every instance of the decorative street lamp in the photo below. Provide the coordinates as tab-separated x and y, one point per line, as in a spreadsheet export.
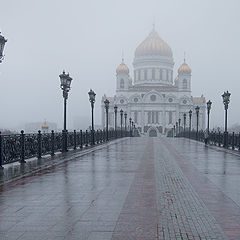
190	122
125	118
209	104
92	96
2	44
176	128
65	80
179	124
184	123
130	123
115	113
121	115
106	102
197	112
226	101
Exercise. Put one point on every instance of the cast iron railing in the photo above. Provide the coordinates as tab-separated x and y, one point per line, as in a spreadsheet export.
18	147
215	138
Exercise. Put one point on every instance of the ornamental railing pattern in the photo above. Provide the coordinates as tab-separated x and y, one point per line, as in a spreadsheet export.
19	147
215	138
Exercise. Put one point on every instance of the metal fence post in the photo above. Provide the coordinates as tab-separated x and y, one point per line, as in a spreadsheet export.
233	142
81	139
1	151
74	139
52	143
86	138
22	144
39	140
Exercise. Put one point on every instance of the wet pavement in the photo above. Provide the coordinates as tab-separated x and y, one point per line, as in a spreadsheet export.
136	188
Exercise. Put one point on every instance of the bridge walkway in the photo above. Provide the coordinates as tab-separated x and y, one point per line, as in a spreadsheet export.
135	188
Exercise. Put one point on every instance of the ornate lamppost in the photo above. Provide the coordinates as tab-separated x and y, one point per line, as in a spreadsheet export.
121	115
209	104
92	96
184	123
125	119
226	101
176	129
130	123
197	113
115	113
190	122
179	125
65	80
2	44
106	103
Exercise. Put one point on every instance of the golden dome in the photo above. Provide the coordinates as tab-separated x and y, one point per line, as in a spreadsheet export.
184	69
44	125
153	45
122	68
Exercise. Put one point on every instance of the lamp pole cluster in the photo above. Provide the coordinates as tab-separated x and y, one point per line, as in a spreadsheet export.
65	80
2	44
226	100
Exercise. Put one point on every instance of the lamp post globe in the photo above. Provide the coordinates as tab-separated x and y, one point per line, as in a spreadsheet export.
92	99
197	113
106	104
2	45
226	100
65	81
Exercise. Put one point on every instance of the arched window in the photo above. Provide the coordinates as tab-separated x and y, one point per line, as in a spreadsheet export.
121	83
185	85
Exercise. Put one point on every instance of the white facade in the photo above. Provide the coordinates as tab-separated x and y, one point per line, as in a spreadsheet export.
154	101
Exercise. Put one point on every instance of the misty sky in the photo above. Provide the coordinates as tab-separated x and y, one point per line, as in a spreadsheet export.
86	38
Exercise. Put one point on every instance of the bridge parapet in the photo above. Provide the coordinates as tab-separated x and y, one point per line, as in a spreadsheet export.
18	147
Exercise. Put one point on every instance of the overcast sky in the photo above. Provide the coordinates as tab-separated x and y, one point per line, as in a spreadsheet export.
86	38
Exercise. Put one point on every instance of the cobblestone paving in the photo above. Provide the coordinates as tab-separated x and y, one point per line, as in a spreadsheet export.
215	176
181	213
134	189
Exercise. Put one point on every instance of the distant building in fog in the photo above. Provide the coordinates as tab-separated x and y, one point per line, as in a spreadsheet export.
154	100
44	127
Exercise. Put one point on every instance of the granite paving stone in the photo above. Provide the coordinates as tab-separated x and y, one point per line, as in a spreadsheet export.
137	188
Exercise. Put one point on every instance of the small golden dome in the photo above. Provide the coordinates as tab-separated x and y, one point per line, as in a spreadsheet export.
184	69
153	45
122	68
44	125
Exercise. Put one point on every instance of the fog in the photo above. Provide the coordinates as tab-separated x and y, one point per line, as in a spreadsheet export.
87	38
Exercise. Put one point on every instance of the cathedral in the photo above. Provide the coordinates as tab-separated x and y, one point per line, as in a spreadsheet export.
154	99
